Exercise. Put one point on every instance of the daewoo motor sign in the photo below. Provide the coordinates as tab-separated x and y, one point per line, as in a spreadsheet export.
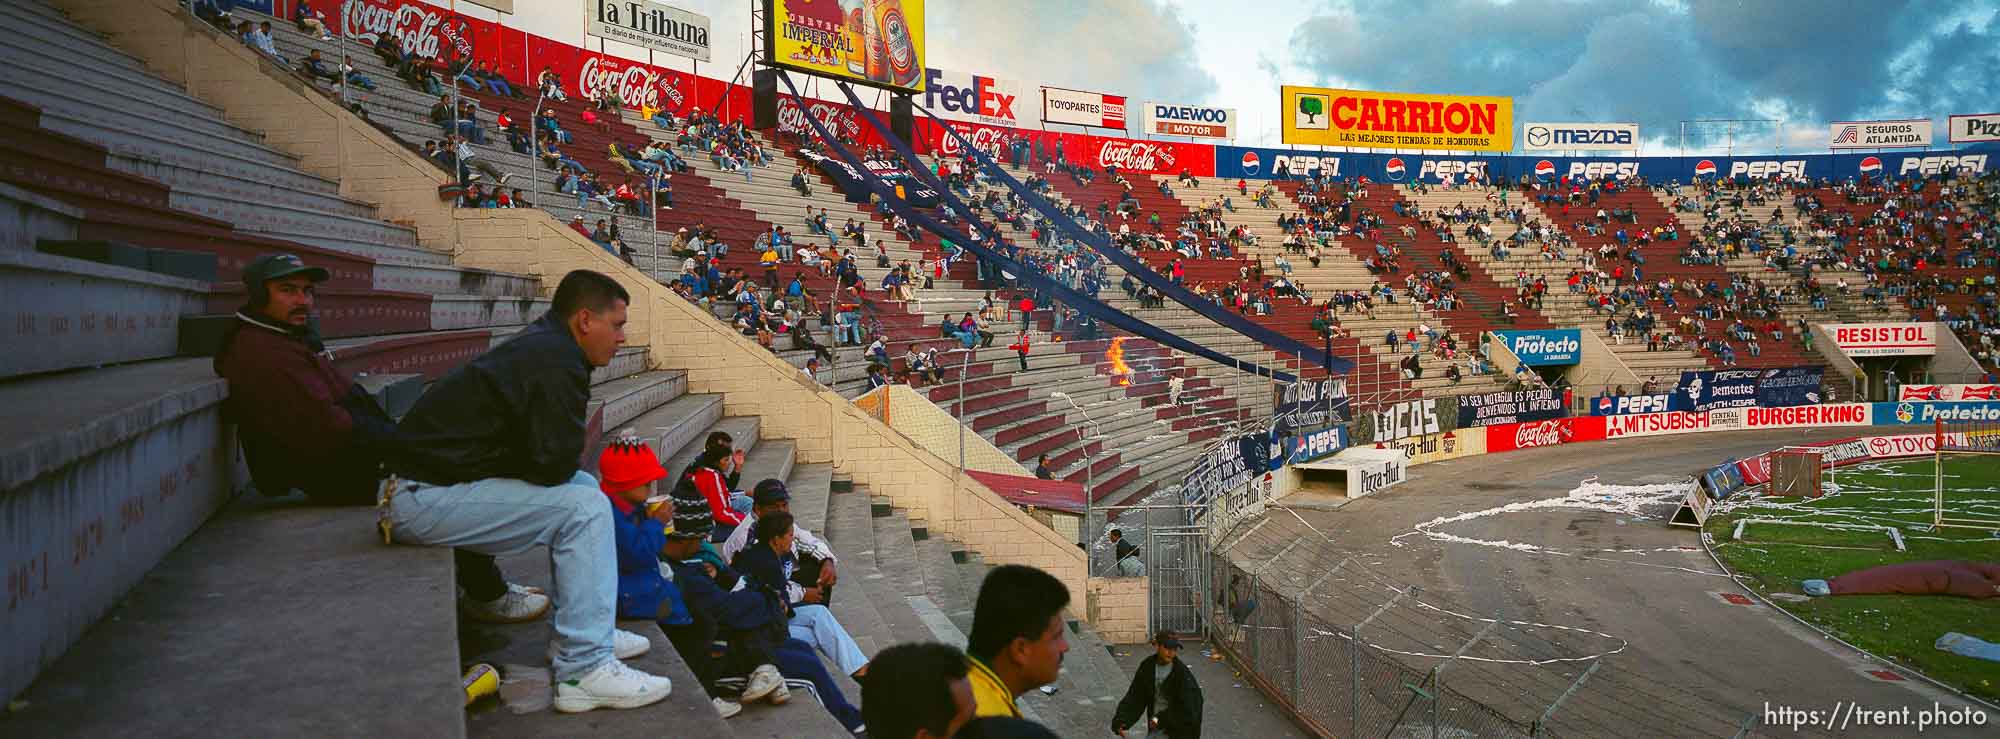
1883	339
1199	121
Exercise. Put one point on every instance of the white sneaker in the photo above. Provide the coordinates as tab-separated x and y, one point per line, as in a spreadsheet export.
518	605
624	645
765	682
611	685
725	708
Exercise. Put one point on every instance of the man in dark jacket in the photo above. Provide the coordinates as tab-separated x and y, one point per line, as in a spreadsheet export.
490	461
1164	693
305	425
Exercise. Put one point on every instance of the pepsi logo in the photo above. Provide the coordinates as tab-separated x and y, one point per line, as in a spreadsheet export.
1871	164
1545	168
1704	167
1251	163
1394	168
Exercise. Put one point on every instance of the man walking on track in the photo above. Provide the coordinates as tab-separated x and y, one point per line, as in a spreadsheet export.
1164	693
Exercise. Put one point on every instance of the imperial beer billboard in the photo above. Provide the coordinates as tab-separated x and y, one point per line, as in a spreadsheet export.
1327	116
875	42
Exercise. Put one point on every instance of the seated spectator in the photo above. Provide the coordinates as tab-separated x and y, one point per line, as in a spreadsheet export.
1018	638
717	473
768	561
551	85
663	192
316	67
799	182
917	691
260	39
451	121
489	460
725	633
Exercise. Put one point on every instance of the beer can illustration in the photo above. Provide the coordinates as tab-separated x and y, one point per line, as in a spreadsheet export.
878	50
854	26
899	44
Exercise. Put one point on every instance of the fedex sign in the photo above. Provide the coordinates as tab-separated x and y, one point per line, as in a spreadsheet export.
972	98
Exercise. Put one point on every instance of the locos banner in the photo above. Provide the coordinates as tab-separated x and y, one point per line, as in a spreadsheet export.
1199	121
1410	418
872	42
1580	137
1323	116
1080	108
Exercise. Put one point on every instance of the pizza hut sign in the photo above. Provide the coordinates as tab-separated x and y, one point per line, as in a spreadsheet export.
792	118
636	85
424	30
1138	156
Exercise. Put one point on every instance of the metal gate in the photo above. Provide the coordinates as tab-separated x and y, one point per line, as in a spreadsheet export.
1172	554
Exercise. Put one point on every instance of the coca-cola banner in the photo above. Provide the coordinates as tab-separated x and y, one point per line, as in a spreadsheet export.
1513	406
428	31
1097	152
1538	434
840	119
587	73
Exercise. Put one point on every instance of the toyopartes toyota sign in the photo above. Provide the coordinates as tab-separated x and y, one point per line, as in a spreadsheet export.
1580	136
1079	108
1200	121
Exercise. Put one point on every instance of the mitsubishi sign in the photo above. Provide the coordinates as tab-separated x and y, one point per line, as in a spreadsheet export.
1966	129
1167	119
972	98
1580	136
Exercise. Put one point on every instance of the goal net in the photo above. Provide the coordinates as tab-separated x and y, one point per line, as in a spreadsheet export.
1966	490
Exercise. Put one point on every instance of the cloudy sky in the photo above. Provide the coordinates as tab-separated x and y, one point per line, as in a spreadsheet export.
1654	62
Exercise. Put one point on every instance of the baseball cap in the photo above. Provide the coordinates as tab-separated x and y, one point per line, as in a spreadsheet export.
1167	639
275	266
771	490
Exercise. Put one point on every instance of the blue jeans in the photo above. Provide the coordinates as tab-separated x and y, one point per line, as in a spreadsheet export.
502	517
815	625
499	87
796	659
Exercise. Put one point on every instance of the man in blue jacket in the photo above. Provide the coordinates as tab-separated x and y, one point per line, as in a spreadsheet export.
489	460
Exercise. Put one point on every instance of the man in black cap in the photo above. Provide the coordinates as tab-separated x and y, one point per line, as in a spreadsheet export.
305	425
1163	693
815	575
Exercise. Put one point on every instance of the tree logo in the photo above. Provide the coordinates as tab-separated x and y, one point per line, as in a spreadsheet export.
1309	112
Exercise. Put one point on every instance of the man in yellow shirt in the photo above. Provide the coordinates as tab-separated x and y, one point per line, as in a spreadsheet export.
1018	638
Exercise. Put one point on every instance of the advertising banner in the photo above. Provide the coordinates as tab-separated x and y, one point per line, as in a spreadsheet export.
974	98
1545	347
873	42
1406	419
1883	339
1314	445
1199	121
1276	163
1442	446
1966	129
1789	386
856	187
1839	414
1654	424
429	32
1909	445
662	28
1619	405
1910	134
1723	480
1538	434
1079	108
1579	136
1924	413
1948	392
1310	404
1219	471
1025	146
1703	390
1322	116
1511	406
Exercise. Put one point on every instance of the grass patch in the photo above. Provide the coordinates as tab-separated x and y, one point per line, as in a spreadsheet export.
1776	558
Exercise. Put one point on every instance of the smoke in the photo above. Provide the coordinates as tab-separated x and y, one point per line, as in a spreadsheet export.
1143	49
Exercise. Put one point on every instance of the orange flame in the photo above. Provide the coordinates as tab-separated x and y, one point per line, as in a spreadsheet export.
1116	356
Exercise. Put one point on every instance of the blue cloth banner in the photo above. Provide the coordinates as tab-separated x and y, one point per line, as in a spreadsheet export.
1928	412
1084	303
1707	390
1316	444
1312	403
1723	480
1116	255
1545	347
1510	406
855	187
1789	386
1607	405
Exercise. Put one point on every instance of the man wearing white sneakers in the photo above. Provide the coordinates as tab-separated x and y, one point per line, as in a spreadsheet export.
490	462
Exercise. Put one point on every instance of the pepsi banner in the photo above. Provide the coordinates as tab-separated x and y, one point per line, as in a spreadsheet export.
1789	386
1608	405
1232	162
856	188
1545	347
1924	413
1511	406
1315	445
1707	390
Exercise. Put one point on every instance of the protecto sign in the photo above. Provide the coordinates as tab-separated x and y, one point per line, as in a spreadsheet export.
1884	339
1200	121
1543	347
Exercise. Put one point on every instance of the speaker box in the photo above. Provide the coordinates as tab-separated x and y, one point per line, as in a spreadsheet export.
764	99
902	118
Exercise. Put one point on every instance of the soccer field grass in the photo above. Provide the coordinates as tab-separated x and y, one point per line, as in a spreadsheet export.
1774	559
